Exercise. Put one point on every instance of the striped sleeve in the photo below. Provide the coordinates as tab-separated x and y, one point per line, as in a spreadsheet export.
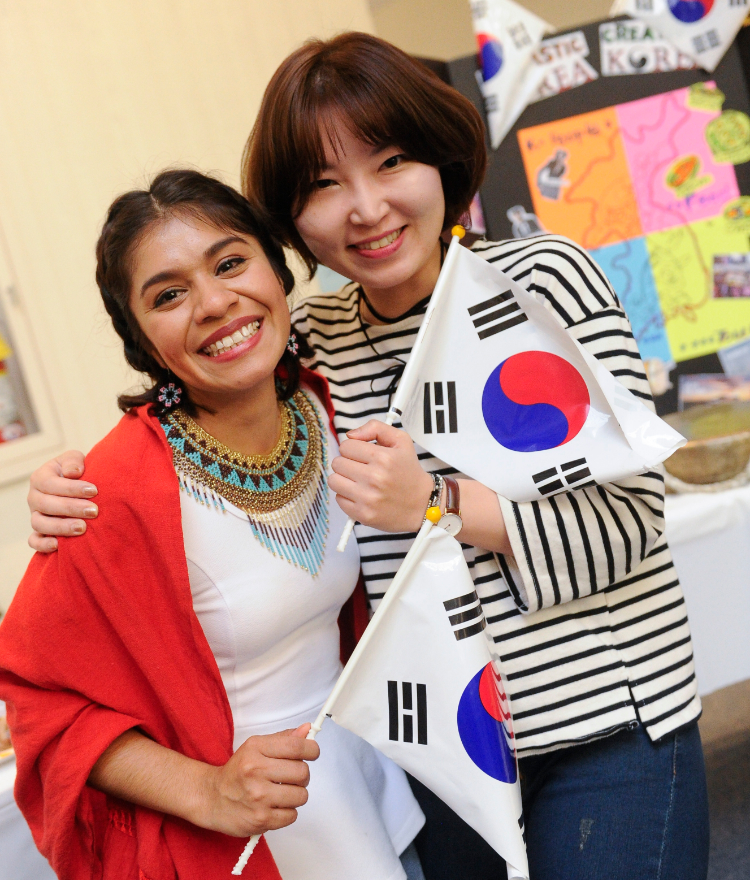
578	543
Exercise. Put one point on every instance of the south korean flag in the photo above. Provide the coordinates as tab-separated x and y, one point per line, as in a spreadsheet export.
498	389
425	688
702	29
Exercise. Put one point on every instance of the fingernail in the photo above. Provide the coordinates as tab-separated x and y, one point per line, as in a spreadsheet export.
89	491
90	512
79	529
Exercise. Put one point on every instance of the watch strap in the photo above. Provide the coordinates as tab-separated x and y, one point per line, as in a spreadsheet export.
452	496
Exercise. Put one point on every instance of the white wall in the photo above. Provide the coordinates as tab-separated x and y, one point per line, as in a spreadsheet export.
94	98
442	28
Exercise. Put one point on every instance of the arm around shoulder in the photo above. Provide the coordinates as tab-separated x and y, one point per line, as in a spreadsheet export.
59	501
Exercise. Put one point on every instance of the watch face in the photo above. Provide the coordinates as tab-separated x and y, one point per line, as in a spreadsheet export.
452	523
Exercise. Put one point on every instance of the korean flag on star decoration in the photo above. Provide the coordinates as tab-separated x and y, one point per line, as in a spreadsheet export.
703	29
507	35
502	392
426	690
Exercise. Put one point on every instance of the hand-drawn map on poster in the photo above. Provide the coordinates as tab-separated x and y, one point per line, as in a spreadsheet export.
649	188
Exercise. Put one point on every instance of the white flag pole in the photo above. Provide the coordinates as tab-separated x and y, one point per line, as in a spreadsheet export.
411	560
404	390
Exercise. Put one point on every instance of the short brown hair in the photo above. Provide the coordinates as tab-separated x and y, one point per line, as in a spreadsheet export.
387	97
175	192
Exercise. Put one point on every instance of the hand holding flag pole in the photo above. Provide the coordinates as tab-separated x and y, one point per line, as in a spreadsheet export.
410	371
412	559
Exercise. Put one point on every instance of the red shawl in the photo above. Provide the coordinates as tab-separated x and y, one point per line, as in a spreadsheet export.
101	637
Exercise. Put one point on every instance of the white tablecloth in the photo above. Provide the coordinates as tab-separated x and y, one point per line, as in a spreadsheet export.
709	534
19	858
710	538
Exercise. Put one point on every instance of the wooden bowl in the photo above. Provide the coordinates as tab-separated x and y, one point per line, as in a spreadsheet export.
718	446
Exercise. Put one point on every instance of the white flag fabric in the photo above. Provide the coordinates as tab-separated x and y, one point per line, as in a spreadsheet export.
703	29
507	36
422	687
558	65
499	390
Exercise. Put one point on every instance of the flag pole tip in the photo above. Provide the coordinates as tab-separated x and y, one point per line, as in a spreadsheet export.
458	231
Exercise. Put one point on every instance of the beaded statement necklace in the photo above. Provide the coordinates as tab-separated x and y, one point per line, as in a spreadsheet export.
283	493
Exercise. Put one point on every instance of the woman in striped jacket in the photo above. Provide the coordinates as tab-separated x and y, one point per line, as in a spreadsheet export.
361	159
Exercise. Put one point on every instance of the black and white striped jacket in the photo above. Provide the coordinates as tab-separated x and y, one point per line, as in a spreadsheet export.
587	616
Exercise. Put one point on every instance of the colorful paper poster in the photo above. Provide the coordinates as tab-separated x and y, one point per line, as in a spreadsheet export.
579	178
628	267
507	36
629	47
682	260
640	186
703	29
675	177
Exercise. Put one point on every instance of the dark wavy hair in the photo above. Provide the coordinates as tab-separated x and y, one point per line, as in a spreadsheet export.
177	192
386	98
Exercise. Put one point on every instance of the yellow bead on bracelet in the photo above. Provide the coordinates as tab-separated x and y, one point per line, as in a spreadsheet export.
433	514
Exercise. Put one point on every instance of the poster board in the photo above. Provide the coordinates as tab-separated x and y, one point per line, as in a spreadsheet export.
651	174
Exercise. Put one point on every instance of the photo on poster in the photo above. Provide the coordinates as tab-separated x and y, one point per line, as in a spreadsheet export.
731	275
711	388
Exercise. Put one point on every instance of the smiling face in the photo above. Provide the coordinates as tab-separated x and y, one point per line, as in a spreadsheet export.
211	307
375	216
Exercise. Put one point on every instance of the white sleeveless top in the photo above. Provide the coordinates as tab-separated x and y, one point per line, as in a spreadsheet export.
273	630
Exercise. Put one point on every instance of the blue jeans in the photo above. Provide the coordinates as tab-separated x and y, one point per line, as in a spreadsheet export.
620	808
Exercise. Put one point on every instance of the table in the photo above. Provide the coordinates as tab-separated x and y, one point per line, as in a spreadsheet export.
709	534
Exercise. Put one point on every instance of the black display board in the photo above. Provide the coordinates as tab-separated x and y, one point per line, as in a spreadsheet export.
506	181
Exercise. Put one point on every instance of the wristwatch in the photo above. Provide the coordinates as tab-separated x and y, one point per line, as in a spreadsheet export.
451	520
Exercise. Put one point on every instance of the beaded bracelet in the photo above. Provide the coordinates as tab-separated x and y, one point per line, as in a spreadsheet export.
433	505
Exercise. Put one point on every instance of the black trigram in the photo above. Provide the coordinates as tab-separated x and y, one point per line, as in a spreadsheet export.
407	712
522	827
575	474
469	617
520	35
497	314
435	412
704	42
